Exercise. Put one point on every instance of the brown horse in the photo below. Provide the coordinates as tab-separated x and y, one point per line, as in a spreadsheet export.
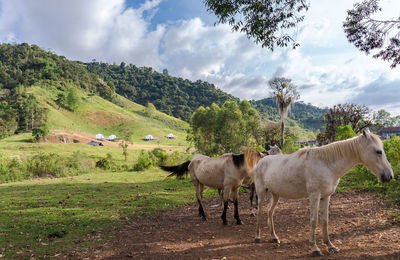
226	172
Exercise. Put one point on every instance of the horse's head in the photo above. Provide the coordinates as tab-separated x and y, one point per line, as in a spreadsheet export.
373	156
274	150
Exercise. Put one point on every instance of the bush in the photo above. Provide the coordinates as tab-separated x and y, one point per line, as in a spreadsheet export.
43	165
146	160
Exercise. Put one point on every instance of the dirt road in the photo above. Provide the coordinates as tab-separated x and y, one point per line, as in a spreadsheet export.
360	225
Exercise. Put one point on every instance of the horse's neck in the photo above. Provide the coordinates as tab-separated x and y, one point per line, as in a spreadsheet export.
347	160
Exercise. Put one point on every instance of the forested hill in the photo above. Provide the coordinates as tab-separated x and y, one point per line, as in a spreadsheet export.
306	115
24	65
172	95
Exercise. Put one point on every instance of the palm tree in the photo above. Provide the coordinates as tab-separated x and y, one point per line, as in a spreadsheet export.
284	92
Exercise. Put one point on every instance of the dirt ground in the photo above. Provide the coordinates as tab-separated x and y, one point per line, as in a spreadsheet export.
59	136
360	226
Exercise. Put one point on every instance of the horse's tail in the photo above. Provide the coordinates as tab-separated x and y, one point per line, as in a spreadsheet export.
251	157
177	170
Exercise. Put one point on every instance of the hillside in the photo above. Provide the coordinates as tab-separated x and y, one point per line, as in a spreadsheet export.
305	115
40	88
172	95
71	93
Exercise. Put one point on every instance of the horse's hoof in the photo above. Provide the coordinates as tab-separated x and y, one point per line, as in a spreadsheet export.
333	250
252	214
239	222
316	253
204	218
275	240
257	240
224	222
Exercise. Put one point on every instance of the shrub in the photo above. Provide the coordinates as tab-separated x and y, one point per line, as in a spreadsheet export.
145	160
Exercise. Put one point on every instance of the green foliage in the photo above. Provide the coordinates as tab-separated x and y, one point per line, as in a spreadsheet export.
217	130
289	146
150	109
43	165
146	160
72	100
40	132
344	132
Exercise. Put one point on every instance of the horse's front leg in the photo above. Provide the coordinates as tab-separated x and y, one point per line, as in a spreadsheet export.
325	217
235	202
314	205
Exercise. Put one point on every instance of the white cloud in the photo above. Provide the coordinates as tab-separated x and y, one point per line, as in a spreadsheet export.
83	30
328	69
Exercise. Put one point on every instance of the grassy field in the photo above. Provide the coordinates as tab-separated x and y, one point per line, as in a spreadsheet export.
45	217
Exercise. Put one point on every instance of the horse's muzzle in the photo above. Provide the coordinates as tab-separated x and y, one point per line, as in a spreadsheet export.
386	176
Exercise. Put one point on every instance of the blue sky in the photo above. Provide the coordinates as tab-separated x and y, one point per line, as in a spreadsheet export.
180	35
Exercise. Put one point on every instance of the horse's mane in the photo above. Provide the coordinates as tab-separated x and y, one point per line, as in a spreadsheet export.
333	151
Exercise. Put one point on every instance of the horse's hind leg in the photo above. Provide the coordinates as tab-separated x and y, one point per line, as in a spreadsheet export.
271	210
199	195
261	196
325	216
226	196
252	191
235	201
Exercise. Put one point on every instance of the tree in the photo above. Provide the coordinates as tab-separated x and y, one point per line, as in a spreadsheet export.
267	22
72	100
369	34
356	116
284	92
344	132
150	109
273	22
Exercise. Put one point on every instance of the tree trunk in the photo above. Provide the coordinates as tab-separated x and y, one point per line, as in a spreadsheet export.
282	133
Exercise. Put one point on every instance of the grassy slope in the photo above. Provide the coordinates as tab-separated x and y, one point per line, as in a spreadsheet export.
97	115
82	209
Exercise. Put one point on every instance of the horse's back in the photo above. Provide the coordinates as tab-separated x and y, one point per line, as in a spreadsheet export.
212	171
283	175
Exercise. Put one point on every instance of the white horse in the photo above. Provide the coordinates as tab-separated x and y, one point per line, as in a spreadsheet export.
226	172
314	173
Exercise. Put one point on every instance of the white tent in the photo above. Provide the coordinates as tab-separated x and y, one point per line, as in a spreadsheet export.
99	137
112	137
170	136
149	137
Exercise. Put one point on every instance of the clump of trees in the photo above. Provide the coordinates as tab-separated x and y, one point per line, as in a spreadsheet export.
356	116
216	130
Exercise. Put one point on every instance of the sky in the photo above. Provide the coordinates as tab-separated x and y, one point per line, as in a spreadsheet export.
180	36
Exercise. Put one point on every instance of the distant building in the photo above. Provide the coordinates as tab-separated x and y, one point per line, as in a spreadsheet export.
387	132
99	137
307	143
112	138
148	137
170	136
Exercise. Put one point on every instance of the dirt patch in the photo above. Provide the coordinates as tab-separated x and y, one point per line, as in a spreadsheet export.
64	136
359	226
105	119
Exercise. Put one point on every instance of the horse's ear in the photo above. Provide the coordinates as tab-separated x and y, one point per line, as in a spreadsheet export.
366	132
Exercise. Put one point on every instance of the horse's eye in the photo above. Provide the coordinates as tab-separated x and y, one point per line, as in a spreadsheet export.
379	152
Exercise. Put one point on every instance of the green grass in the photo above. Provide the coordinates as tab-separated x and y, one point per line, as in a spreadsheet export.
136	120
81	209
